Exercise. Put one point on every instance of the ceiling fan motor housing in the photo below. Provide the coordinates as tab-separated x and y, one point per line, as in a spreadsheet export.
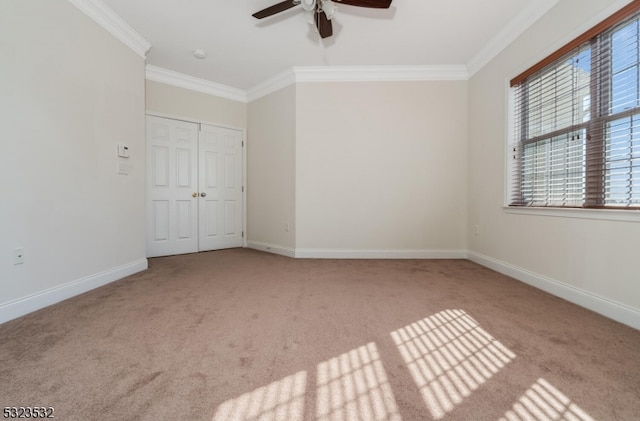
308	5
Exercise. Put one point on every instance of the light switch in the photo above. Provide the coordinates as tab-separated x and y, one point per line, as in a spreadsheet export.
123	168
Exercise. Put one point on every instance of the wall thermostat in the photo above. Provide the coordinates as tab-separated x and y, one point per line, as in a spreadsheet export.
123	151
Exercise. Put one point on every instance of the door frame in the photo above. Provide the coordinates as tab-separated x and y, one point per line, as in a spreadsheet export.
244	159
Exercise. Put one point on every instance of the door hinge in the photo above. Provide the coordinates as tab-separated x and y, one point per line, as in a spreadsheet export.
242	234
242	189
243	143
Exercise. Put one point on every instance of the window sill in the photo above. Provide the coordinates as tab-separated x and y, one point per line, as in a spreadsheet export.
598	214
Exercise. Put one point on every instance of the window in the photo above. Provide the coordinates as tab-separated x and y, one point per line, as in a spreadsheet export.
577	121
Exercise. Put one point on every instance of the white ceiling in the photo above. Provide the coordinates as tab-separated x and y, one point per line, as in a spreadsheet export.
243	51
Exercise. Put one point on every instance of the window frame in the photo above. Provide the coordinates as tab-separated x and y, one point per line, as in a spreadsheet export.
589	209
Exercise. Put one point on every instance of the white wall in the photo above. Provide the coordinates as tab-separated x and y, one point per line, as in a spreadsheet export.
172	101
69	93
271	172
381	169
590	261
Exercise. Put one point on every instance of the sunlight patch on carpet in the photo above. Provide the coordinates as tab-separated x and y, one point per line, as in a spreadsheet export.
354	386
449	356
543	402
280	400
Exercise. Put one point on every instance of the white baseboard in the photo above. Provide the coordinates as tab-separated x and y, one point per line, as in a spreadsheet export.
271	248
379	254
614	310
20	307
356	254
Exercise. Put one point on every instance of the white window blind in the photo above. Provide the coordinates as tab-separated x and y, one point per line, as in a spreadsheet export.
577	121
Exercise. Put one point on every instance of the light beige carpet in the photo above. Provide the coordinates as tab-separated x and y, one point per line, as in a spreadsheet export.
239	334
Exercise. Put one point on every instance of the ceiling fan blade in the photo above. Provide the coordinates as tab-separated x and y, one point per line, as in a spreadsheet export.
374	4
276	8
325	28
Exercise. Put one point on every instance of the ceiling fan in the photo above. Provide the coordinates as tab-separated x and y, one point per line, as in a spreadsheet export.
321	10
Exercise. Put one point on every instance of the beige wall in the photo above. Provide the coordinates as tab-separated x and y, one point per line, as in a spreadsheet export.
69	93
597	261
172	101
381	166
366	166
271	171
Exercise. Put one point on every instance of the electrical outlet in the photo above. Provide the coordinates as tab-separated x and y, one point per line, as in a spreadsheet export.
18	256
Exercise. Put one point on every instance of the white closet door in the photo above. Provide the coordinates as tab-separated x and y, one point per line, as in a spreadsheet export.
221	190
172	187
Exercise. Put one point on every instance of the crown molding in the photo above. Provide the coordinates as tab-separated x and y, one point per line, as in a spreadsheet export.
527	18
169	77
299	74
114	24
576	32
279	81
515	28
308	74
379	73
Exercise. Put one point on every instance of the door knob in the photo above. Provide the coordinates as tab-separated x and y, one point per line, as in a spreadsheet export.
194	194
203	194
